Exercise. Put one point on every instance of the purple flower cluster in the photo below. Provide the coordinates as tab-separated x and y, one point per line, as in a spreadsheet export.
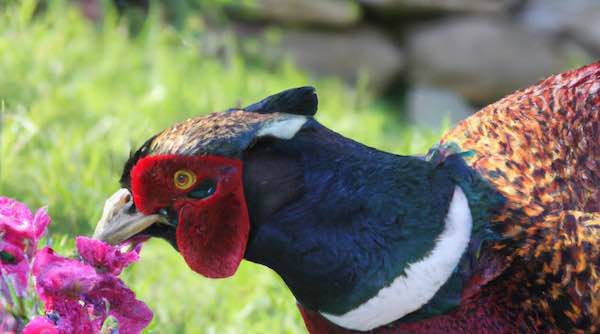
78	294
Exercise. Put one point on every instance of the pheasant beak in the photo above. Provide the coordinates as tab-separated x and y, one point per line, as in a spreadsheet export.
120	221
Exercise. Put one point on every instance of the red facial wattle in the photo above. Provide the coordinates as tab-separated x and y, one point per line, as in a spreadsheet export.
212	232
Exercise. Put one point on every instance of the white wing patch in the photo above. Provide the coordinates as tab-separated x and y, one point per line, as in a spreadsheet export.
422	279
284	128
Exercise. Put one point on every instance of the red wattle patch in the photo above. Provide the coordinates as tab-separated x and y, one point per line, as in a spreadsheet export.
212	232
213	238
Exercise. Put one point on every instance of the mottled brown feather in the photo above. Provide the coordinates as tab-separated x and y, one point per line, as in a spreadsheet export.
539	147
225	133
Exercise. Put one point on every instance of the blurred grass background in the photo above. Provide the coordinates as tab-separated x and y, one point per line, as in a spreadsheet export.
77	96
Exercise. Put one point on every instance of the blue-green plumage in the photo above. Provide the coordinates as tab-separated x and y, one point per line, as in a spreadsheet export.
366	215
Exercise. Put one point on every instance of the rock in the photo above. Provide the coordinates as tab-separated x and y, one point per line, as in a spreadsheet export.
553	15
391	7
483	59
586	28
326	13
578	18
550	15
430	107
345	54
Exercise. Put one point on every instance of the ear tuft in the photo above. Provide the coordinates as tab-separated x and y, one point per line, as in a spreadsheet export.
297	101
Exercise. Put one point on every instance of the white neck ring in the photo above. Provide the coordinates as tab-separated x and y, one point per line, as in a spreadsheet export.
422	279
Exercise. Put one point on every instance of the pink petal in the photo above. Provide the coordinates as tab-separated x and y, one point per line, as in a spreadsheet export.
104	257
14	213
132	314
14	266
74	319
40	222
19	227
40	325
59	278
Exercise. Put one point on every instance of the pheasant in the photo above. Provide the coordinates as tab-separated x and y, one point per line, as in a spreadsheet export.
494	230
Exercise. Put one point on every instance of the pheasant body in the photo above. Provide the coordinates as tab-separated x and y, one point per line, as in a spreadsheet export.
495	230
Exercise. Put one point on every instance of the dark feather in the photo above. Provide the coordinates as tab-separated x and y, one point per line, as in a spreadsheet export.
143	151
297	101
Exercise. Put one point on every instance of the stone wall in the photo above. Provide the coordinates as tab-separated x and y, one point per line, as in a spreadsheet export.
449	56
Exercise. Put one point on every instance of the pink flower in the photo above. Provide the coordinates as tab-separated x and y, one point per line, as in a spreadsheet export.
19	227
133	315
104	257
82	297
78	295
58	278
14	268
40	325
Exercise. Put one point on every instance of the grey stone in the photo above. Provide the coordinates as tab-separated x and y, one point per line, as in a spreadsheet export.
482	58
328	13
549	15
390	7
430	107
348	54
586	28
578	18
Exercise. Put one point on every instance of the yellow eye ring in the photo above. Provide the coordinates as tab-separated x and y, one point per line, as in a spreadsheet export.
184	179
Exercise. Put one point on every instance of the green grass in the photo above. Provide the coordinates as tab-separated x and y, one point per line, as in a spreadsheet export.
76	97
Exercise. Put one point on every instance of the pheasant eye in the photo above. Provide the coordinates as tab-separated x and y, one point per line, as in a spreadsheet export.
184	179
